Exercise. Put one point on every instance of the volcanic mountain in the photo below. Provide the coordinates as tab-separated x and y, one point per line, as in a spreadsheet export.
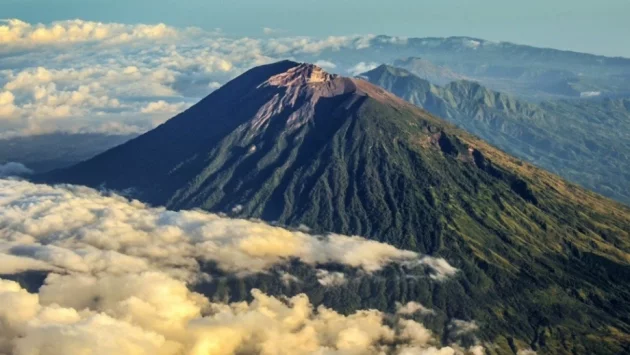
543	263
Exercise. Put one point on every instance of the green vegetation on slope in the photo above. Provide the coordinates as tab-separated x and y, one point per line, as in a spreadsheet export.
586	141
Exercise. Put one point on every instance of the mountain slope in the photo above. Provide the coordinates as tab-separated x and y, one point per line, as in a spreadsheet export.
290	143
585	141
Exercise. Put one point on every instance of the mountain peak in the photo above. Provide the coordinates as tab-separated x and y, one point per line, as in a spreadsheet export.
301	74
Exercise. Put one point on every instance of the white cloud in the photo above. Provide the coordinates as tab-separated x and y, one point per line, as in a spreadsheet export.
326	64
328	278
441	268
362	67
411	308
14	32
151	313
118	273
79	230
214	85
125	67
590	93
7	106
459	327
163	107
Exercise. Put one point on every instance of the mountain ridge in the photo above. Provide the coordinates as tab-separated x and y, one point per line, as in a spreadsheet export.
561	136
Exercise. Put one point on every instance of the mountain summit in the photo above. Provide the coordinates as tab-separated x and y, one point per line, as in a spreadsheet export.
543	263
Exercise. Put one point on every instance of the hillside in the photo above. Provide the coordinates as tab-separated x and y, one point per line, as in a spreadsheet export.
585	141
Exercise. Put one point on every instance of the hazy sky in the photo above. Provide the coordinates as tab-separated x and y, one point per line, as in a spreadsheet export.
601	26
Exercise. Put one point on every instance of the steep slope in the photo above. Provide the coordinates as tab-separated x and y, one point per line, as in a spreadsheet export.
544	264
585	141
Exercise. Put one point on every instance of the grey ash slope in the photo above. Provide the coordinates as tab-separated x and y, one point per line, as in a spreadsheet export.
585	141
288	142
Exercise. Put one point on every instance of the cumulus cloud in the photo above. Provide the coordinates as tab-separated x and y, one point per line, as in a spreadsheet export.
118	274
330	278
151	313
459	328
362	67
14	32
14	169
326	64
82	76
442	269
411	308
163	107
7	106
79	230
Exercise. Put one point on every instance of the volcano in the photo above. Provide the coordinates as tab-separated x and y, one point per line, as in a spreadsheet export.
544	264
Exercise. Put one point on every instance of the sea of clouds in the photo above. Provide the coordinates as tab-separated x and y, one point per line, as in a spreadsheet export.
119	274
82	76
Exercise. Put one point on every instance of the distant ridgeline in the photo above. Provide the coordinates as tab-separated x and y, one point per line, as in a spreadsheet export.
584	141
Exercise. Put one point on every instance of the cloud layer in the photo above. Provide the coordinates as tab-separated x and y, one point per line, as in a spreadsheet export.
76	229
118	273
151	313
82	76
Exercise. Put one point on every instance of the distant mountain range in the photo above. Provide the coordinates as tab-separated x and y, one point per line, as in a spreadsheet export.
51	151
424	69
529	72
544	264
585	141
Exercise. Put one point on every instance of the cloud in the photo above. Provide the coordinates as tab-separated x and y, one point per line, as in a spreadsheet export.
326	64
7	106
362	67
330	278
82	76
163	107
119	271
14	32
411	308
14	169
151	313
441	268
458	327
590	93
268	31
79	230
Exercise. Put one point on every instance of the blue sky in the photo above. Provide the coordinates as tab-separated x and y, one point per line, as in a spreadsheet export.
600	27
